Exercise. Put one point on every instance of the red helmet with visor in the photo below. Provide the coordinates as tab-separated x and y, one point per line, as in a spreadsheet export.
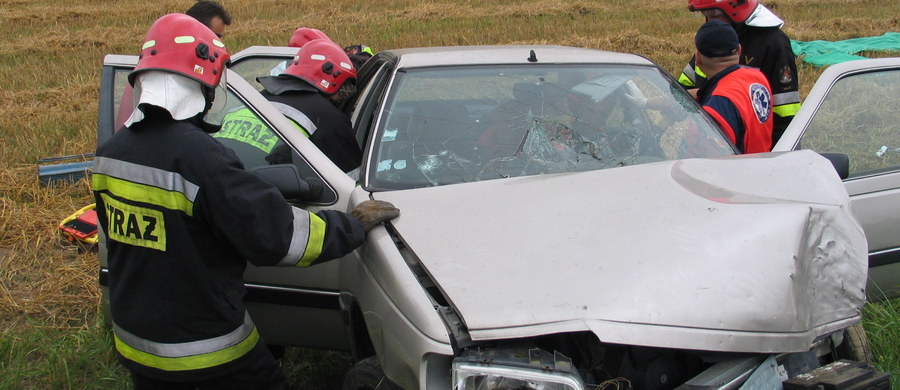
323	64
736	10
303	35
180	44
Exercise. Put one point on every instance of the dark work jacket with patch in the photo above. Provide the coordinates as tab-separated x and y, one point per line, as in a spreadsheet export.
181	218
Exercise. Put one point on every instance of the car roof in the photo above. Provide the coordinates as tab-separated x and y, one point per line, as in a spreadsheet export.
509	54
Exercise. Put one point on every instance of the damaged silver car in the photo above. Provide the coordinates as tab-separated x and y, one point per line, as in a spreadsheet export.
571	219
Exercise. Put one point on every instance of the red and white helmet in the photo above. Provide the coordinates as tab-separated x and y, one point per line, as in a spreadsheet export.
180	44
323	64
303	35
736	10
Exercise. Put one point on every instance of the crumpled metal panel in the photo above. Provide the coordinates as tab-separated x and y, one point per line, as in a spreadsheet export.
753	253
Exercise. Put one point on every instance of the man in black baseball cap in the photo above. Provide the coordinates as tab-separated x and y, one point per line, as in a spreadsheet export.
717	39
737	97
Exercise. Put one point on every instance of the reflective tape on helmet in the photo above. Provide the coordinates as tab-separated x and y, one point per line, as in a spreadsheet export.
185	39
193	355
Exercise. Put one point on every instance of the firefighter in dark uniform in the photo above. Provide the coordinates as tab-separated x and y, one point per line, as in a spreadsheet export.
764	45
182	217
736	96
307	93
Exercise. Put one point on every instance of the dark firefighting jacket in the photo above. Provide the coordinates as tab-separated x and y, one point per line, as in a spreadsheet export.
738	98
181	218
769	49
328	128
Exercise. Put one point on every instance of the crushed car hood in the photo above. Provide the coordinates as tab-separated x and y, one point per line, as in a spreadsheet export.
755	253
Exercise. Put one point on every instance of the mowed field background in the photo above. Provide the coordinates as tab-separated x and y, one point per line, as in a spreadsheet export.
51	53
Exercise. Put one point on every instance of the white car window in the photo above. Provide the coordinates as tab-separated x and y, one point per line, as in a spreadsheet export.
857	119
253	67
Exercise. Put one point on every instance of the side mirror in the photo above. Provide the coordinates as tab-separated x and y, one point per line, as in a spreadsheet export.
841	163
287	179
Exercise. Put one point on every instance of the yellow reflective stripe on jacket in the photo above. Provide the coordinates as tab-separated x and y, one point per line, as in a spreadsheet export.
307	239
686	81
699	72
134	225
786	109
786	103
244	126
689	76
172	200
189	362
315	241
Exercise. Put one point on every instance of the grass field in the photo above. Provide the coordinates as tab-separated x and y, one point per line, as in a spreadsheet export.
50	58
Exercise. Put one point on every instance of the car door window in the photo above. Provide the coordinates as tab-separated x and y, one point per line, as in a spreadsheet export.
252	67
858	119
255	142
366	102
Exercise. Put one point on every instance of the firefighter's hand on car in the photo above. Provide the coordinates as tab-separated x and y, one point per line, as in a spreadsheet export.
374	212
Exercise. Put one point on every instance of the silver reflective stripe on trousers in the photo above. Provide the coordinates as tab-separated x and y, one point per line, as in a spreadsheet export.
300	238
141	174
191	348
297	116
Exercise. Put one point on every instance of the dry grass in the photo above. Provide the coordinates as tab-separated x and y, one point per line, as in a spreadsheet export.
51	53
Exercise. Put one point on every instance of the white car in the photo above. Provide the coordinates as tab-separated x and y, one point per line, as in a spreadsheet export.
570	219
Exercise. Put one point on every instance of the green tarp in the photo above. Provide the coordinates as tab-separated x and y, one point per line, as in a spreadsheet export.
821	53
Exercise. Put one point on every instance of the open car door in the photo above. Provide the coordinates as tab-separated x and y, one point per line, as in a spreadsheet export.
854	109
290	306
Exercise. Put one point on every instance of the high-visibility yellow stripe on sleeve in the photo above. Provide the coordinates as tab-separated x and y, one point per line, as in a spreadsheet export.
315	241
686	81
786	109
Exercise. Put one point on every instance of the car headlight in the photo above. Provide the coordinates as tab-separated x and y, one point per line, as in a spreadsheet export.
469	376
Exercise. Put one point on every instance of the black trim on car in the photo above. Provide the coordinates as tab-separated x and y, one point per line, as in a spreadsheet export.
884	257
277	295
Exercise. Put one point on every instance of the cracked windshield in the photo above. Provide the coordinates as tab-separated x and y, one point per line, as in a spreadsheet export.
445	126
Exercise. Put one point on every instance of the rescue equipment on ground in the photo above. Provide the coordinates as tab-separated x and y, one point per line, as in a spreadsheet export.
81	226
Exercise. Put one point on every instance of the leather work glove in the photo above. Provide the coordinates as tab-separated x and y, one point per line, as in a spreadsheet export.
374	212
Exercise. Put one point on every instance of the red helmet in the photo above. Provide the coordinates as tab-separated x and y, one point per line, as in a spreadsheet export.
736	10
180	44
323	64
303	35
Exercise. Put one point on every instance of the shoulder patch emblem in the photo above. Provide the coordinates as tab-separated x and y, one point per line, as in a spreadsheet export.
786	75
762	102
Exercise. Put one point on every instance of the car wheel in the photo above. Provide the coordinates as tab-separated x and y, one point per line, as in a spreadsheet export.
856	345
367	375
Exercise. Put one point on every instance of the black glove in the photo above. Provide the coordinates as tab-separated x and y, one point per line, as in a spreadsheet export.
374	212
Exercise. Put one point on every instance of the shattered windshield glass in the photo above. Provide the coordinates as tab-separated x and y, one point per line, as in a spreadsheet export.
453	125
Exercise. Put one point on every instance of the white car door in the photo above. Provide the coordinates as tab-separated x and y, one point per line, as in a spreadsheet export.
854	109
